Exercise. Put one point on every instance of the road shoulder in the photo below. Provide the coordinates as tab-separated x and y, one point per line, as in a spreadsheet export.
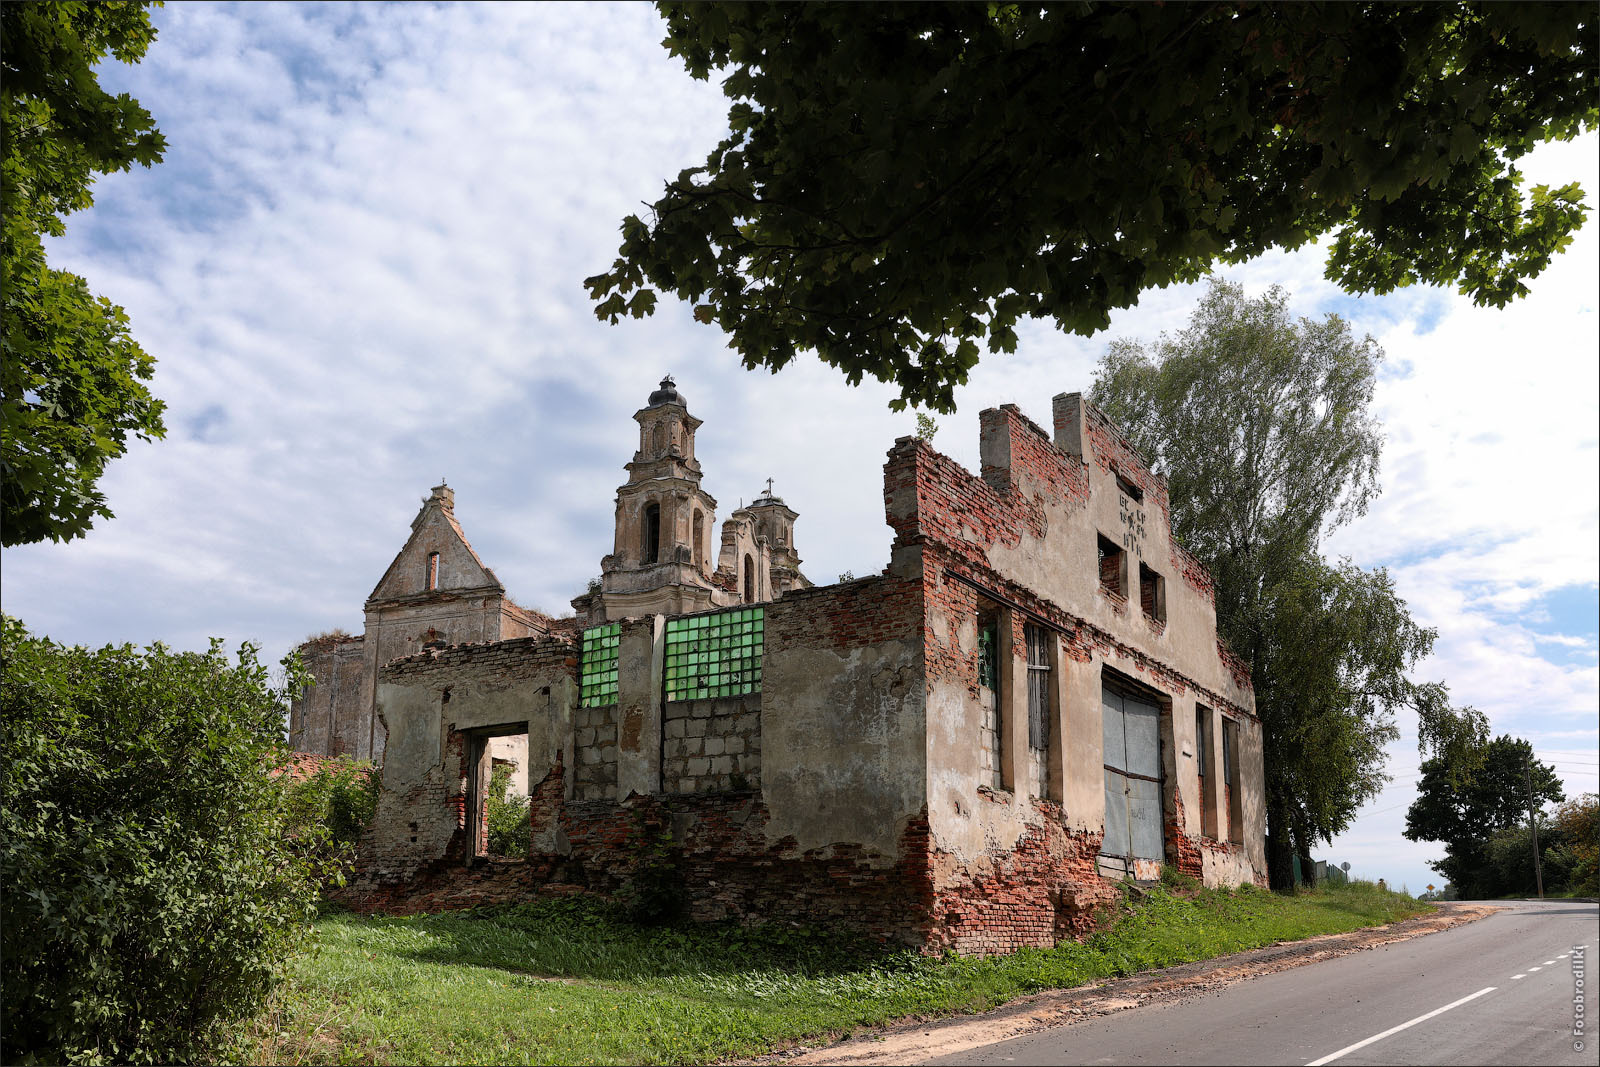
917	1041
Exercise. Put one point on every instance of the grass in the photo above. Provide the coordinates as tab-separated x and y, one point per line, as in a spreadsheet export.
566	981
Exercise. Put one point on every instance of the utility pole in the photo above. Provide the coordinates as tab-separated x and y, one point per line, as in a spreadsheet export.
1533	820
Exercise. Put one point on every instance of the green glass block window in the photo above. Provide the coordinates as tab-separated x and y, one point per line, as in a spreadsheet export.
598	678
715	655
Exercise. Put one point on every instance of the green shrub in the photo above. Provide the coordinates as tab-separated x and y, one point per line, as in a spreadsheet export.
340	798
509	825
152	891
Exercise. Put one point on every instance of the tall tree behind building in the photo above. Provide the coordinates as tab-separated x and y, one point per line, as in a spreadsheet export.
71	388
902	183
1261	424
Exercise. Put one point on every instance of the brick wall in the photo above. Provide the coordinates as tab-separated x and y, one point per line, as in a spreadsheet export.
711	744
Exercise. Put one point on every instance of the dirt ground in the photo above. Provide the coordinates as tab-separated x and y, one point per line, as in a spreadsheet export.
916	1042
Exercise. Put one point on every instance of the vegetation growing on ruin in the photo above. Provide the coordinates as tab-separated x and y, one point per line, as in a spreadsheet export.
509	821
339	798
571	981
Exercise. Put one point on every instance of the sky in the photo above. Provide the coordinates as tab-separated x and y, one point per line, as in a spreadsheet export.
360	269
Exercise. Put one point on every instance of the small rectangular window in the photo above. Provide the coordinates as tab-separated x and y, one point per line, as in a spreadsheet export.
988	665
1038	686
1202	758
1152	594
1128	489
433	570
1111	559
1230	779
989	730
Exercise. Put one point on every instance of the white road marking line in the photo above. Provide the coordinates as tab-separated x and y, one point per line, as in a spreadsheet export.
1533	968
1516	976
1396	1029
1549	963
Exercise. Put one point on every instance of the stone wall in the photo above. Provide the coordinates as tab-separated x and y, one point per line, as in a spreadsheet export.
711	744
595	744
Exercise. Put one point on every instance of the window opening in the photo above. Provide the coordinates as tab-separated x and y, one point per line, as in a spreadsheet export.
1038	686
1111	567
717	655
1152	594
1202	758
597	677
749	580
989	698
651	549
1126	487
1230	779
699	537
433	570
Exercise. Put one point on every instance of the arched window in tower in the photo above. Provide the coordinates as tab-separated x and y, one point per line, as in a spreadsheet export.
749	579
699	538
650	548
658	439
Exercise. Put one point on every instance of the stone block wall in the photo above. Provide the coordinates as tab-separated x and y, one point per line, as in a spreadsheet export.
595	750
711	745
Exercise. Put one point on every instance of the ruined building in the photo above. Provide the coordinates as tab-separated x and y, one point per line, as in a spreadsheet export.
967	750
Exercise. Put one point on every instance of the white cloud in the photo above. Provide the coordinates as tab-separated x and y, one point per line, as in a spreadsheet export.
360	269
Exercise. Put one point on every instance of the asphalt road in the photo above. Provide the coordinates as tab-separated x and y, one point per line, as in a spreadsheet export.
1496	991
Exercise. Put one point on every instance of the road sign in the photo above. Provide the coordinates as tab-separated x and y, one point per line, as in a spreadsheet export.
1345	866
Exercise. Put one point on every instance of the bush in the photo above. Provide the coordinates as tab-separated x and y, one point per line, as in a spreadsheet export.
339	798
510	826
153	892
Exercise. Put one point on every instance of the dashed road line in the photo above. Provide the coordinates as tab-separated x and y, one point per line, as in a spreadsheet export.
1396	1029
1516	976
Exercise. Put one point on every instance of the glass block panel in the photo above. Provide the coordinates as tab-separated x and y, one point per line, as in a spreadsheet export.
597	676
715	655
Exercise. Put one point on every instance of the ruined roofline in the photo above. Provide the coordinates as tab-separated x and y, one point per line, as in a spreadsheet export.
1109	425
322	642
468	652
1112	428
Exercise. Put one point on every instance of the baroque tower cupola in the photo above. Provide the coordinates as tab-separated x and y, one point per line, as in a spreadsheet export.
668	557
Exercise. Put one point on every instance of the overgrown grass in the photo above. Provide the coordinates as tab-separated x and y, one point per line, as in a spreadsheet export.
566	981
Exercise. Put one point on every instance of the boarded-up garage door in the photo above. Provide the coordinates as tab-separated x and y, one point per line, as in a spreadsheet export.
1133	786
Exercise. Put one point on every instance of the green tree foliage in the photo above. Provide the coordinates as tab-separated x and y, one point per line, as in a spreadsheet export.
1261	424
902	183
1466	811
510	825
152	892
71	387
338	801
1578	821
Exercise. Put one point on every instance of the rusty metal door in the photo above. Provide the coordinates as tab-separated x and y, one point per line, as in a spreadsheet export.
1131	729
